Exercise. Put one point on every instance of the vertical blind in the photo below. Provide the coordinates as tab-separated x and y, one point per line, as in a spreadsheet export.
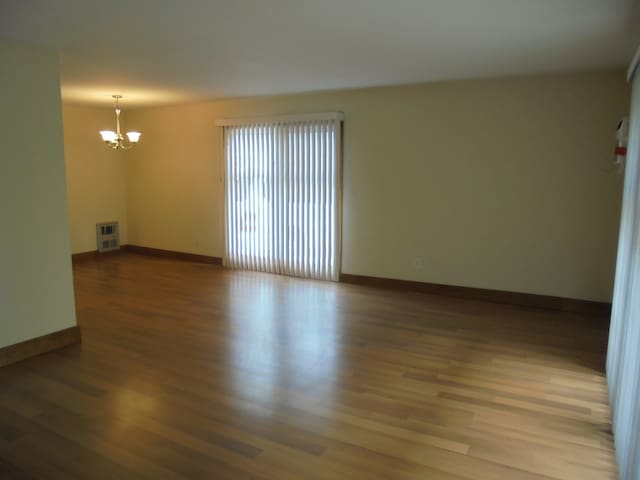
283	194
623	355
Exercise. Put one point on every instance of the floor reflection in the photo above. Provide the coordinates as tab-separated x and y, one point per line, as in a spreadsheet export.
284	338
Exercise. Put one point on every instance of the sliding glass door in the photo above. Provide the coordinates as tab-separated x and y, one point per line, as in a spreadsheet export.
283	195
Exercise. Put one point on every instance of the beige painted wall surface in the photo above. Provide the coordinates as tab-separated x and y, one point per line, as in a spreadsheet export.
36	288
502	184
95	175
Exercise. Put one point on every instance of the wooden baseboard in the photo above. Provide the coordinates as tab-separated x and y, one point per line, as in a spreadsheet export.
78	257
495	296
157	252
39	345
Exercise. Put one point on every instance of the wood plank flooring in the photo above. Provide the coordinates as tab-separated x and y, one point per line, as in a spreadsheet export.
190	371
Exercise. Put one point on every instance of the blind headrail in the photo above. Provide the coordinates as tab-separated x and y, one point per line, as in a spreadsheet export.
280	119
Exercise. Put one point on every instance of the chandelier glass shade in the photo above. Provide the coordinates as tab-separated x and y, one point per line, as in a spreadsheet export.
115	139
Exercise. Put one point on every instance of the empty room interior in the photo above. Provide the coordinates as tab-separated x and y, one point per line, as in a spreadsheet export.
337	239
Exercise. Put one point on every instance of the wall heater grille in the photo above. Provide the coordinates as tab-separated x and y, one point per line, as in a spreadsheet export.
108	236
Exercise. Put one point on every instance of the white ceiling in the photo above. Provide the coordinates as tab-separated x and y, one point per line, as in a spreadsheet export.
165	51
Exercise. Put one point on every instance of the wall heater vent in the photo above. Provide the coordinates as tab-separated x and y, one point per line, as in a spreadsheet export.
108	236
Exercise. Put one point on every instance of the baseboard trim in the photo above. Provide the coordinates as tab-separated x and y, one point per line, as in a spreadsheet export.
39	345
157	252
494	296
78	257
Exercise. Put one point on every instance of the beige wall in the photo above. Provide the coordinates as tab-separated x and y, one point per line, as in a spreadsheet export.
36	289
95	175
503	184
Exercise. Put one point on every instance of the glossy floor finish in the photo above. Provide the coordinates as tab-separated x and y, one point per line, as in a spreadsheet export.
190	371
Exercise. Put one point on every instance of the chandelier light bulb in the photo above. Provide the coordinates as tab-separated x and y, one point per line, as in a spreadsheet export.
108	135
133	137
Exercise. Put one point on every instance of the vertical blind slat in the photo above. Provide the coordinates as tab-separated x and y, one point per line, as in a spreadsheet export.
253	165
337	194
231	199
298	164
242	248
262	226
323	208
307	203
234	186
314	201
281	212
290	188
269	195
327	240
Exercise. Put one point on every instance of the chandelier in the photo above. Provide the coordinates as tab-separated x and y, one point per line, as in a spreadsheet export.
115	139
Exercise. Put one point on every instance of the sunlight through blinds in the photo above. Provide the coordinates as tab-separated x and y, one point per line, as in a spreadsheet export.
283	195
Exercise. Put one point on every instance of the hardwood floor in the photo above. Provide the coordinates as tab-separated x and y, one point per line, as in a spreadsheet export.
190	371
